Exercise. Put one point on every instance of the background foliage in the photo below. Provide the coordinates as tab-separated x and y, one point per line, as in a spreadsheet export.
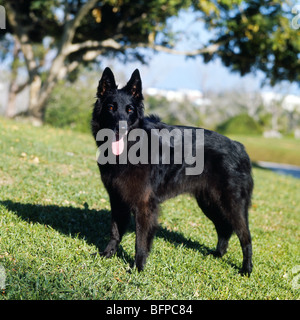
248	36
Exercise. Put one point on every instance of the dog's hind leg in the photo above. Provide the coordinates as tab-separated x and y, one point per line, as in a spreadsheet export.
227	221
237	215
224	231
120	218
223	227
241	228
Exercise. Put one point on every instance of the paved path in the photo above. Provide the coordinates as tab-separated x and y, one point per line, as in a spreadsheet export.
286	169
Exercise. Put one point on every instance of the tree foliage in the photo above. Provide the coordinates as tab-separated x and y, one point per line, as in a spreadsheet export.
258	35
248	36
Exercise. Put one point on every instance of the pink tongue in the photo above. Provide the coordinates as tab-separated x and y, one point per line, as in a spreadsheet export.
117	147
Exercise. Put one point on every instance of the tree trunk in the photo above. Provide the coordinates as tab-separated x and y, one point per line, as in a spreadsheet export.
11	102
40	92
275	115
13	87
38	99
34	101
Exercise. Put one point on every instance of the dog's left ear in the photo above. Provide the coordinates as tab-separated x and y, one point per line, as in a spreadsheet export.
134	85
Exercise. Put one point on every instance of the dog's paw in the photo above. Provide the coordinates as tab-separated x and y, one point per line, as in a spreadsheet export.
110	250
140	261
246	270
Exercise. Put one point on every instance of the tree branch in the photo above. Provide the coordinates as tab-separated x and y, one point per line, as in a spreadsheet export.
20	87
208	49
58	68
87	45
67	69
113	44
71	26
22	37
91	55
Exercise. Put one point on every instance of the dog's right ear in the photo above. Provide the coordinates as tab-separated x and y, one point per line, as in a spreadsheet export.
107	83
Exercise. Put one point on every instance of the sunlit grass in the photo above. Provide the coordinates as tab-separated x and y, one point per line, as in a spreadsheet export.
284	150
55	213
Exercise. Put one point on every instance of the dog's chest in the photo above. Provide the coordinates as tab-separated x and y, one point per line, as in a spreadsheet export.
132	184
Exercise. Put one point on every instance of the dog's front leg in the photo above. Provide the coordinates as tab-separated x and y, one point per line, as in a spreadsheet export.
146	226
120	217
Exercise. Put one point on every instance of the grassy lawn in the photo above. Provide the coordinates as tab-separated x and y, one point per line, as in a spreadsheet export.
54	213
284	150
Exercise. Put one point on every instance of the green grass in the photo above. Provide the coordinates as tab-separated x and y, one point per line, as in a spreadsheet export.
284	150
54	213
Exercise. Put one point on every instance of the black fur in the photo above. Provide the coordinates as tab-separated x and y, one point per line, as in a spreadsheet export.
223	190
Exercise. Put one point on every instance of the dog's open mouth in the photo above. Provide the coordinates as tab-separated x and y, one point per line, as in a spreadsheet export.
117	145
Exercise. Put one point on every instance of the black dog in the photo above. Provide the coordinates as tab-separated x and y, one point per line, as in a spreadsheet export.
223	190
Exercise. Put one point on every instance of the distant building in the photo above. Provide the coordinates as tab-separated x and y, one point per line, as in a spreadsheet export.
288	102
180	95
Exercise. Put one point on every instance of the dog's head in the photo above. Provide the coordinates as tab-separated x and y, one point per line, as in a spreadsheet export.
118	109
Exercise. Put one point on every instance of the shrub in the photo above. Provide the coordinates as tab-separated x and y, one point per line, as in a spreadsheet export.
239	124
70	106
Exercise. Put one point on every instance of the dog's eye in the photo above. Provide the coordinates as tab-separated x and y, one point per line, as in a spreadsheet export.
110	107
130	108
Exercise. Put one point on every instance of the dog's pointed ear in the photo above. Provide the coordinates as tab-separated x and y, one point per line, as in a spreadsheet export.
134	85
106	83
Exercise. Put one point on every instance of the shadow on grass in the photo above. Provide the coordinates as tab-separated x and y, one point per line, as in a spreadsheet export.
89	224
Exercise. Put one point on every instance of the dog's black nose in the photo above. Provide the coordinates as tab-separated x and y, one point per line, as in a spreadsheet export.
122	127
